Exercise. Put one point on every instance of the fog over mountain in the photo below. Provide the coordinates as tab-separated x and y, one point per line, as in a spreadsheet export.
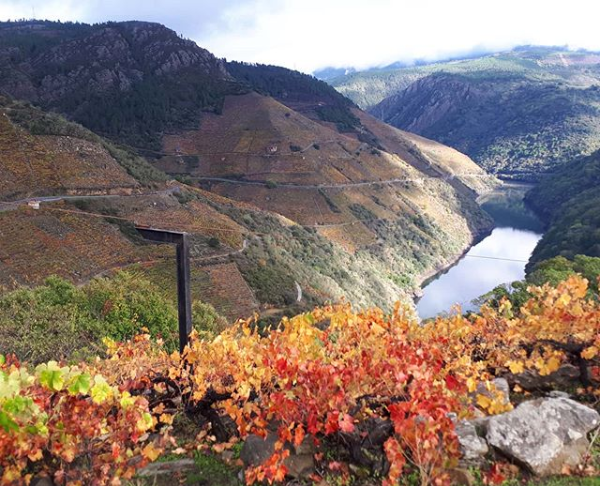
310	35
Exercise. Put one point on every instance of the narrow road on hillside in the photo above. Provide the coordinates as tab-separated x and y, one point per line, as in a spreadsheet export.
11	205
289	185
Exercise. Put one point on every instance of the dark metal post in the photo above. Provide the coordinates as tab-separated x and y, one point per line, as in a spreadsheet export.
184	298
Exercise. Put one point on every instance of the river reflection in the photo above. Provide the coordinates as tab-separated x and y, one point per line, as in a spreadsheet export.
499	258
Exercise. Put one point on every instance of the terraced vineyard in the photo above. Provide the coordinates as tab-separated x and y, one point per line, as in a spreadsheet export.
221	285
257	139
37	243
39	165
294	186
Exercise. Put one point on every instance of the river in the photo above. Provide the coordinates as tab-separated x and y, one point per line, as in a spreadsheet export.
497	259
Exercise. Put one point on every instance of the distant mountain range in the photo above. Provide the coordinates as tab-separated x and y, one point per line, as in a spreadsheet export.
516	113
283	181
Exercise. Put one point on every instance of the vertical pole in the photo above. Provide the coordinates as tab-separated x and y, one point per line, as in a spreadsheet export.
184	299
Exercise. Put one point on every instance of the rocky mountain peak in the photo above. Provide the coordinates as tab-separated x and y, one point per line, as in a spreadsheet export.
46	63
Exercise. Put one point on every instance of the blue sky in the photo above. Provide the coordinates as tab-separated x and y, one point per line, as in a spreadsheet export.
312	34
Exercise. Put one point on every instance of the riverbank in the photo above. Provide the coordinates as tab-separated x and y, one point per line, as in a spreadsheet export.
444	267
498	256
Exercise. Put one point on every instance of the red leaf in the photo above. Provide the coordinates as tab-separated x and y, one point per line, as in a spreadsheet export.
494	475
346	423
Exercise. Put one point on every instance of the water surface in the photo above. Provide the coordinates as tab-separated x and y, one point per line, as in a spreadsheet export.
498	259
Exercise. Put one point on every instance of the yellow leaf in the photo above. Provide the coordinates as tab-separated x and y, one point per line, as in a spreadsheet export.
150	452
483	401
145	422
515	367
101	391
589	353
548	367
166	418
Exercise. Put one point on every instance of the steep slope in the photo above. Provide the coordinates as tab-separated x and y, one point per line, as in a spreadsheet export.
97	192
310	198
128	80
43	154
516	114
387	202
368	88
569	202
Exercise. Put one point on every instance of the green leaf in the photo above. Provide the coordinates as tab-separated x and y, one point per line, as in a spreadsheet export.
2	359
51	376
7	423
101	391
17	405
80	384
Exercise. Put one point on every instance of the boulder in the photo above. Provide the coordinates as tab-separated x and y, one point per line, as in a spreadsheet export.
300	463
257	450
167	468
562	379
544	435
472	446
502	387
41	481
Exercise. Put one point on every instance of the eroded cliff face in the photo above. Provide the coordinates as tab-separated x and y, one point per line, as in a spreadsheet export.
98	59
427	102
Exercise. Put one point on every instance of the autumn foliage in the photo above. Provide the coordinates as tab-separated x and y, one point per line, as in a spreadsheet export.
328	377
70	424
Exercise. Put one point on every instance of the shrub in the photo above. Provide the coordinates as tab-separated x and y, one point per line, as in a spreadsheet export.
329	376
60	321
207	321
71	424
214	242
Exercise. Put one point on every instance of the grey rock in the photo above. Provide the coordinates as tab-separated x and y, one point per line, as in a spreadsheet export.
41	481
257	450
545	434
564	378
501	386
164	468
472	446
300	463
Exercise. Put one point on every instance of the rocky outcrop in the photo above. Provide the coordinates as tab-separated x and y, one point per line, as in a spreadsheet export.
112	56
96	60
426	103
561	379
300	463
473	447
544	435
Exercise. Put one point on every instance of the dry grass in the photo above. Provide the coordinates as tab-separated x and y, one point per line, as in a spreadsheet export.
45	165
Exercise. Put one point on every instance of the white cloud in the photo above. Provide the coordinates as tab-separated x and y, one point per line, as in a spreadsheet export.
310	34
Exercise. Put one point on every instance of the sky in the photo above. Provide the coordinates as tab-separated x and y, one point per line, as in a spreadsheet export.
312	34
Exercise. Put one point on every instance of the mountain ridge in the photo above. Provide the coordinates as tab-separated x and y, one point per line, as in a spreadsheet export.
517	114
378	209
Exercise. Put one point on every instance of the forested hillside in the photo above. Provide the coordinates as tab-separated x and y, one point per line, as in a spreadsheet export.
517	113
300	189
129	81
300	91
569	202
